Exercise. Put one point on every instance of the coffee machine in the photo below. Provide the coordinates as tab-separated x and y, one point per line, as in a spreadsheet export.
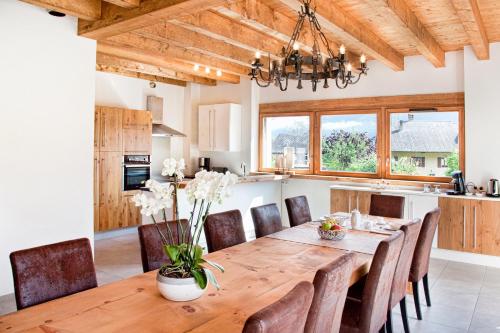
204	163
458	183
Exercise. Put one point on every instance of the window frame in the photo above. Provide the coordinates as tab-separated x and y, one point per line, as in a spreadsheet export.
309	114
317	144
433	179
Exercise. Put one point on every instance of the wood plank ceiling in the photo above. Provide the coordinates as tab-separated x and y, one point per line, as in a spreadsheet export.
206	41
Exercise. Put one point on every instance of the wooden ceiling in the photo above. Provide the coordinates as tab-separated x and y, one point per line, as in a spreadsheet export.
163	40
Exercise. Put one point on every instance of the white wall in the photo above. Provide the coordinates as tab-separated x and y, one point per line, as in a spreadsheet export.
131	93
46	131
482	116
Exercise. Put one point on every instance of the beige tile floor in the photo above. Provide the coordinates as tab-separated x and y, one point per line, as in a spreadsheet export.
465	298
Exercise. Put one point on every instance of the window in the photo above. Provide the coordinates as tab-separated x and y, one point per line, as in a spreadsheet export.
424	143
348	143
286	142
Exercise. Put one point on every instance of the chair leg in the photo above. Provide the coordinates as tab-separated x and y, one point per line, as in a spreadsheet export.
382	329
388	323
416	299
426	290
404	315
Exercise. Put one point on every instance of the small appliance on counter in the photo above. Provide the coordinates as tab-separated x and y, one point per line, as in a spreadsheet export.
204	163
493	188
220	169
458	184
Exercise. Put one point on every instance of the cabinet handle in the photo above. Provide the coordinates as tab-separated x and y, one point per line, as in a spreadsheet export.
349	204
464	231
103	128
475	242
214	122
357	201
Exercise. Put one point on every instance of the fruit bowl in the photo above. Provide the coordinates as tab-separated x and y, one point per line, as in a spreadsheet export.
335	235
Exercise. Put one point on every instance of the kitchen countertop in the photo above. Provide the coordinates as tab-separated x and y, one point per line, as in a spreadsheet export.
257	178
407	190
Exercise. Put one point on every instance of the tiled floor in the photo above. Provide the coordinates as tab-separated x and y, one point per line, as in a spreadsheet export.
465	298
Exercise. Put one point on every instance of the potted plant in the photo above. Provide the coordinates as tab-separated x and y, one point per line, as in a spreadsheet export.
187	274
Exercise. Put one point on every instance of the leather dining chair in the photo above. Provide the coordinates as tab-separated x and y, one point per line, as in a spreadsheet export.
266	220
400	282
298	210
152	254
387	206
369	313
287	315
420	264
224	230
331	283
48	272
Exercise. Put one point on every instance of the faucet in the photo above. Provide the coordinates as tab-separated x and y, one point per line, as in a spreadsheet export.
244	167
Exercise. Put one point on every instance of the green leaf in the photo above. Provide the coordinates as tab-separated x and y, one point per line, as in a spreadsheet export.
213	264
198	253
172	252
212	279
200	278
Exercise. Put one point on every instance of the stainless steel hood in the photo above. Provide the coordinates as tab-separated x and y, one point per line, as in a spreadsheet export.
155	105
164	130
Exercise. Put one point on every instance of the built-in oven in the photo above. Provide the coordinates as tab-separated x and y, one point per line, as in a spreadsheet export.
136	171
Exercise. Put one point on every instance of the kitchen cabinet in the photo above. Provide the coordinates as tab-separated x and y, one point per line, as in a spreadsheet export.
96	190
110	190
452	227
219	127
110	129
97	128
137	132
348	200
487	215
131	215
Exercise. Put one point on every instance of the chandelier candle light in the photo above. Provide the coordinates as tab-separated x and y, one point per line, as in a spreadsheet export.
315	67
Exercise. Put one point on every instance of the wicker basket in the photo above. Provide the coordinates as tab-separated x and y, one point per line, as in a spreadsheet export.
335	235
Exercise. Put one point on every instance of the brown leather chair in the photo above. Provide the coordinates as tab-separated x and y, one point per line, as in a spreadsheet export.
287	315
266	220
400	281
369	313
224	230
420	264
387	206
298	210
330	290
152	253
47	272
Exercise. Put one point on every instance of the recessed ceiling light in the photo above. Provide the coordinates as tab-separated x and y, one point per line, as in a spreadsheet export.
219	72
196	67
207	70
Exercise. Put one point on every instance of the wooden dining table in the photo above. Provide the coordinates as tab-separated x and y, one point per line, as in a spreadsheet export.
257	273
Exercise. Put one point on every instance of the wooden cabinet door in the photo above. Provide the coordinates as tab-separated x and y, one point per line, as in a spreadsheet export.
97	127
136	118
204	128
342	201
96	190
137	132
110	189
110	129
363	200
131	215
487	227
453	227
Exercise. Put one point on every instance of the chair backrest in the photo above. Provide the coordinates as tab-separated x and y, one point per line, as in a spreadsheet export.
298	210
420	263
387	206
377	290
331	283
266	220
400	281
152	254
224	230
287	315
47	272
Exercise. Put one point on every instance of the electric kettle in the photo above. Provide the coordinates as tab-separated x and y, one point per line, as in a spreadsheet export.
493	188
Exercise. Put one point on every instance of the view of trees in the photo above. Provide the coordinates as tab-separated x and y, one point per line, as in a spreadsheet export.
349	151
403	166
453	163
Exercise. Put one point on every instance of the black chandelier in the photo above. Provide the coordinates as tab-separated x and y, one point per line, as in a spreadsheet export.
315	67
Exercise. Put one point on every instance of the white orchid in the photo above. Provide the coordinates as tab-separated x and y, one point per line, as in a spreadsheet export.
210	186
172	167
161	199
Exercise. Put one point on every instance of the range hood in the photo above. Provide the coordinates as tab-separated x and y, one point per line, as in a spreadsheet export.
155	105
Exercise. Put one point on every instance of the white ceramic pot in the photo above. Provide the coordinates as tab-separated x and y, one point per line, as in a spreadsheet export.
178	290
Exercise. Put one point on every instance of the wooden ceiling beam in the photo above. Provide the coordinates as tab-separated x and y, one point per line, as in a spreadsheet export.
407	20
179	53
194	41
137	75
227	30
160	59
349	30
125	3
83	9
472	21
116	20
138	67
